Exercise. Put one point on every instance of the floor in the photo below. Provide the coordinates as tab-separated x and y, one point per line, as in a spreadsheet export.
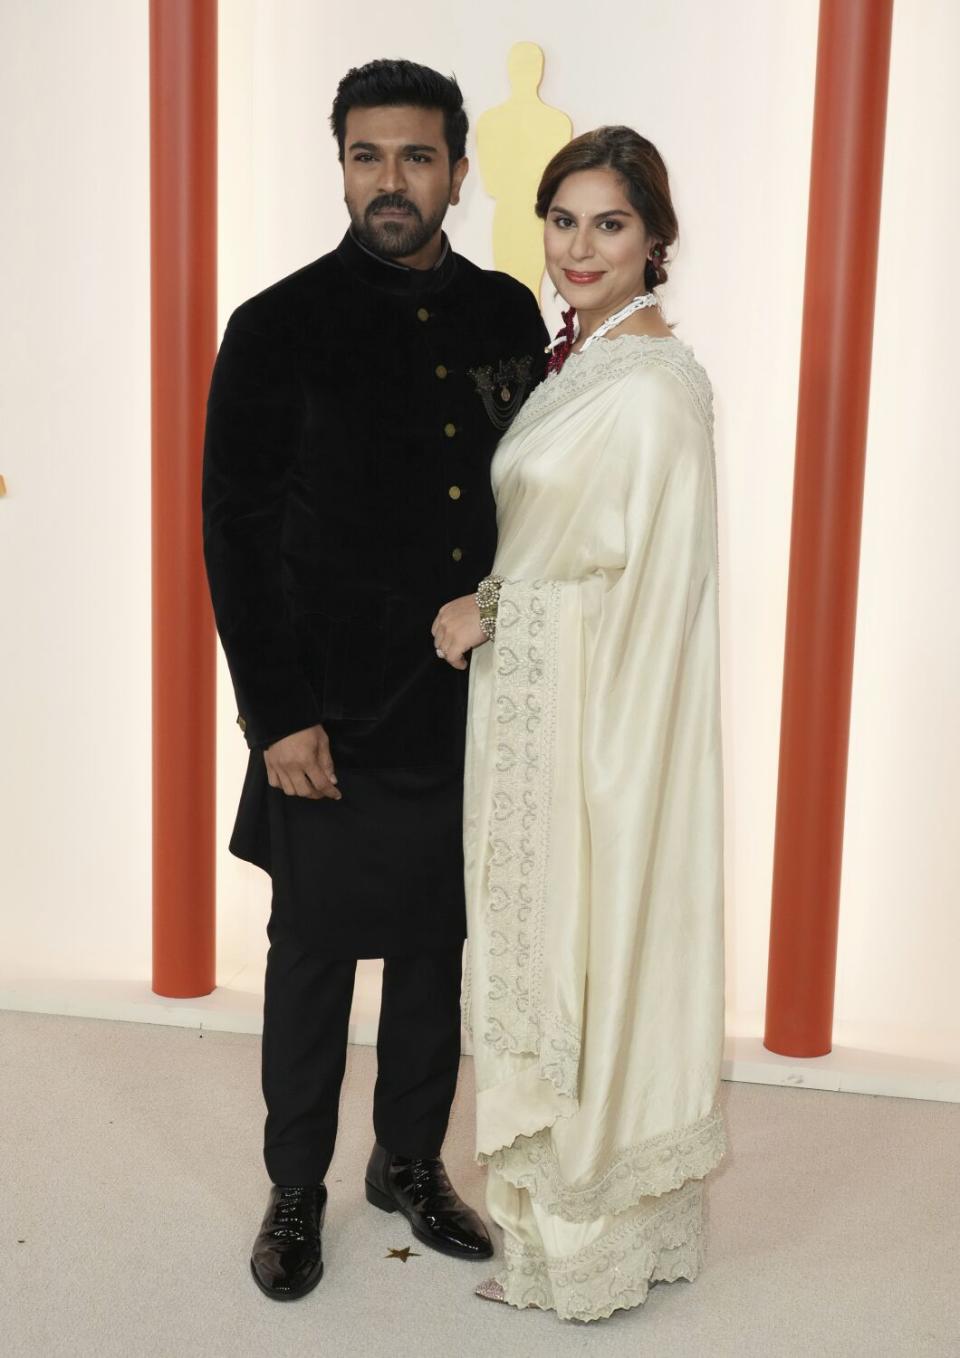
131	1188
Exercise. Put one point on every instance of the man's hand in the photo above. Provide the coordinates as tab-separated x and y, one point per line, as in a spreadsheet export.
302	766
456	629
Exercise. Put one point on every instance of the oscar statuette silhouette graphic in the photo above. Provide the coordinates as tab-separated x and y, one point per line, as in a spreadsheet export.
515	141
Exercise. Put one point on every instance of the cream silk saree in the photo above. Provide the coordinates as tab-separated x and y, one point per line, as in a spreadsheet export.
594	834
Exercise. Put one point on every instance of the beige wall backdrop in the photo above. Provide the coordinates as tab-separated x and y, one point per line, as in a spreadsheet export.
726	91
75	526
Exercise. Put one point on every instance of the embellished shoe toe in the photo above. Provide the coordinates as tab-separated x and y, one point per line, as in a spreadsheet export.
491	1290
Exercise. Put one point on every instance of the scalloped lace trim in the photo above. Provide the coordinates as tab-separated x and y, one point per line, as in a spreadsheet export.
611	359
651	1168
614	1272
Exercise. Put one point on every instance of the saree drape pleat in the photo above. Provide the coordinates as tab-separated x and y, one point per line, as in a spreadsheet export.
594	833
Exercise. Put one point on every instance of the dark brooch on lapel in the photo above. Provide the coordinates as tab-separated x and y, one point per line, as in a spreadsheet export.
502	389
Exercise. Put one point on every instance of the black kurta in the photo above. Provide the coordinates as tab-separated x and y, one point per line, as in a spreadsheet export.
354	410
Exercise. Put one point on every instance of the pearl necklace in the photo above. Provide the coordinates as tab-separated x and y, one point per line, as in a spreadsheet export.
638	304
562	346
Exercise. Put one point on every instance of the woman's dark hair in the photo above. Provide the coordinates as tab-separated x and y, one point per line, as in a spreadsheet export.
401	84
640	166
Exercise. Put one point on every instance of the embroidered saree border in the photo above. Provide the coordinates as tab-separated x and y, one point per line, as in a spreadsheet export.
610	360
615	1271
518	848
651	1168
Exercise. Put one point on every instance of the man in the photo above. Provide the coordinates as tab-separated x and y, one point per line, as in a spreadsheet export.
353	413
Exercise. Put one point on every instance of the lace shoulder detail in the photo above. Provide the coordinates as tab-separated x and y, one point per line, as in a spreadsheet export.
611	360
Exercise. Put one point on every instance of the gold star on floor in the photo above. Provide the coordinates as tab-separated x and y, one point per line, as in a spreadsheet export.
403	1254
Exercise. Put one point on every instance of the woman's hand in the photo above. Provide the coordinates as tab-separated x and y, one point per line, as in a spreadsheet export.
456	629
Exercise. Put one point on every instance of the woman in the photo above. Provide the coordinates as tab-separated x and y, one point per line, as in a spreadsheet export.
593	814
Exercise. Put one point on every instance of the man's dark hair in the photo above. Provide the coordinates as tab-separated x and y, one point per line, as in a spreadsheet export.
401	84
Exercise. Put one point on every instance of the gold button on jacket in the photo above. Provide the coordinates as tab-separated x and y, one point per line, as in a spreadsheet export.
454	492
441	371
457	554
423	314
449	430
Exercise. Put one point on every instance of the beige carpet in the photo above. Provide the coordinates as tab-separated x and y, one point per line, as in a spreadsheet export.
131	1187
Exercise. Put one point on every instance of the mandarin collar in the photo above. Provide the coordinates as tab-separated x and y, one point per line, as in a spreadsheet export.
391	276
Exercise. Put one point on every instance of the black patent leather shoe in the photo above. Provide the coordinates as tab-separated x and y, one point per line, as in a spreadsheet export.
287	1259
421	1190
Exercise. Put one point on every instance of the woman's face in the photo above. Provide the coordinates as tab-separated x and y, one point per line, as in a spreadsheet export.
595	242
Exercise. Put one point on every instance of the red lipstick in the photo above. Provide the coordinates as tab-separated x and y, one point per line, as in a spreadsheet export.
582	278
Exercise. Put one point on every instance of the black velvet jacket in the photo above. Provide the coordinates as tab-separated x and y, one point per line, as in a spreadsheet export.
354	410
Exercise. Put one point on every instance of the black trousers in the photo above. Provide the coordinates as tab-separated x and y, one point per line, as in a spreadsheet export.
307	999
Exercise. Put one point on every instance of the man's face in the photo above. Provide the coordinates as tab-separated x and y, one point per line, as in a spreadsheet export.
397	178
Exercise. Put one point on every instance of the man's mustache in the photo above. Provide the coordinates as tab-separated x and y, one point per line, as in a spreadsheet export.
392	202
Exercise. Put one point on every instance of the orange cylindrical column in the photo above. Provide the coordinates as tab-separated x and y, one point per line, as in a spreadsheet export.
183	221
853	57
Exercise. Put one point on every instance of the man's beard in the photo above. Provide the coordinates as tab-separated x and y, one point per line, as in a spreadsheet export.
394	239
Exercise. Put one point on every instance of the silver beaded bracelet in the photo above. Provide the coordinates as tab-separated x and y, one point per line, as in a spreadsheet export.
488	602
